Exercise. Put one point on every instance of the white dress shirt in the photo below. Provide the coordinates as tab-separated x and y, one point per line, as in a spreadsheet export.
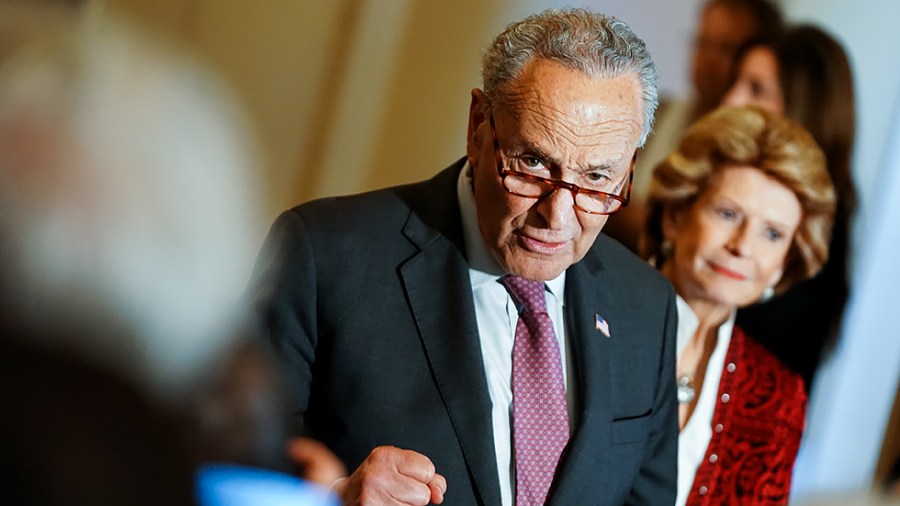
497	318
693	440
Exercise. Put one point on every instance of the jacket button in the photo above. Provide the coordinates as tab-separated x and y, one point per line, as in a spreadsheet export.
703	490
719	428
731	367
725	398
713	458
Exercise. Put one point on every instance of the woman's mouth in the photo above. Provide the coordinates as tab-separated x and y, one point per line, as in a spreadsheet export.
728	273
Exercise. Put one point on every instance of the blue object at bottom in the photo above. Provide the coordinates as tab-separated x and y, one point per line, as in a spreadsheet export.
231	485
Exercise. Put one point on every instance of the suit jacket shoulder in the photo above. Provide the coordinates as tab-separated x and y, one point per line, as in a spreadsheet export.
367	217
367	302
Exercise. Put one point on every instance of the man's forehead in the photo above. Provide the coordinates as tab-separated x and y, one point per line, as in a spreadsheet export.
548	80
569	106
548	85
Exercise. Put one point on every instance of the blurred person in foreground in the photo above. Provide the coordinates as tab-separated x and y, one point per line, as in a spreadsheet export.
744	205
805	75
724	26
127	211
473	339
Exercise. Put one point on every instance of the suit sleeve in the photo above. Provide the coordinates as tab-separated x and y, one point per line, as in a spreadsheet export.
657	481
282	297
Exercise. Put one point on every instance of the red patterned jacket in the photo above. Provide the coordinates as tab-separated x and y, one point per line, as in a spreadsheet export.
757	425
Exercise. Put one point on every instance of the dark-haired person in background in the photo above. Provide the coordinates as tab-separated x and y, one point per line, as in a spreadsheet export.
723	27
805	74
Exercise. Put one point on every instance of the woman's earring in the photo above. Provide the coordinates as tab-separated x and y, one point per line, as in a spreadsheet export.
767	294
666	249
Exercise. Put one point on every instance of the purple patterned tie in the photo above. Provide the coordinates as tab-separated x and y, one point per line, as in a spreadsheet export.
540	416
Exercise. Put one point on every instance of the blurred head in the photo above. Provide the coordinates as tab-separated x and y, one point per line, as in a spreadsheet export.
569	96
725	26
128	219
804	74
129	209
758	82
745	203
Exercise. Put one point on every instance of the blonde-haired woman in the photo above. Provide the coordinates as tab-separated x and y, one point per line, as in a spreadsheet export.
742	207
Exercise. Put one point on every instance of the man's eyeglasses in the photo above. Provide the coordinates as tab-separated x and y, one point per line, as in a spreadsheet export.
603	199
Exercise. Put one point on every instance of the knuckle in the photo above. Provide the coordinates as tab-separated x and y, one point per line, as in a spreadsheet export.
366	498
376	452
381	452
369	476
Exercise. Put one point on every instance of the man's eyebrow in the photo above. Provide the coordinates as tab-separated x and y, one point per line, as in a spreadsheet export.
525	147
603	167
522	146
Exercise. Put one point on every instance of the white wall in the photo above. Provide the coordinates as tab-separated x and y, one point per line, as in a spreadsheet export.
666	26
852	399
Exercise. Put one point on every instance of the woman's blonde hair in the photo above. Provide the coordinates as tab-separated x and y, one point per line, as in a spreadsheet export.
748	136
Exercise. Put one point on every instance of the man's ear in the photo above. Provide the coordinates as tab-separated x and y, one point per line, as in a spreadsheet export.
477	118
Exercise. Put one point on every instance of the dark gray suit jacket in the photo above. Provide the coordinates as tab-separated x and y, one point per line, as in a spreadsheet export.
367	300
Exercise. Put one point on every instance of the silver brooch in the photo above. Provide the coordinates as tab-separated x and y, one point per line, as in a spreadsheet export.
686	392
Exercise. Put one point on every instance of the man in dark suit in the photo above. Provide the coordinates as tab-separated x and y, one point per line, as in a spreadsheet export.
397	312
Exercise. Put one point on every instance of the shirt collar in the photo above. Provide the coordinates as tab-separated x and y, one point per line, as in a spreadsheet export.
688	323
482	266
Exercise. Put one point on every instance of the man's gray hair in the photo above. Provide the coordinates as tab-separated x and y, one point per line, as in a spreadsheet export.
590	42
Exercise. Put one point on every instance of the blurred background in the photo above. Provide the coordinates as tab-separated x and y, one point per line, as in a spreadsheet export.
352	95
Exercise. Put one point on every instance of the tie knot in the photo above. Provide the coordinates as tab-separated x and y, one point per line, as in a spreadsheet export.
529	294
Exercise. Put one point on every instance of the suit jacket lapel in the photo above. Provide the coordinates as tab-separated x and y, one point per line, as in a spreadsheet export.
439	292
586	457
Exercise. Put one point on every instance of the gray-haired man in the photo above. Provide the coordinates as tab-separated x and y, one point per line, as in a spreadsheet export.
470	339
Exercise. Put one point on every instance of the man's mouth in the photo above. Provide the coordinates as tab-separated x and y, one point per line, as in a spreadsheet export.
541	246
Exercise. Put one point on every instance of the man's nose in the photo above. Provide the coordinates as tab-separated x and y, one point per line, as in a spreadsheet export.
557	208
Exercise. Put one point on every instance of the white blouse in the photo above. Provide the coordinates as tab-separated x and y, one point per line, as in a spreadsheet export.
694	439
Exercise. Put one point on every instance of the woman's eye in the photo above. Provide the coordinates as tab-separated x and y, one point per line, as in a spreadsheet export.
726	213
756	90
773	235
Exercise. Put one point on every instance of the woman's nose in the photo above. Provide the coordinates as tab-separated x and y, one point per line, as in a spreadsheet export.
739	242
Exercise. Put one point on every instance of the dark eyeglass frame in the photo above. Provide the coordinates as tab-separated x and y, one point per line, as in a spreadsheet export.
555	184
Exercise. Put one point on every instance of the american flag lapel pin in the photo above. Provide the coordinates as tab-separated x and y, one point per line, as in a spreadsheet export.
602	325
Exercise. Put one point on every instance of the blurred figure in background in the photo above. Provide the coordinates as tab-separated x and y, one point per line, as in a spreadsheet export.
743	205
805	74
724	26
128	225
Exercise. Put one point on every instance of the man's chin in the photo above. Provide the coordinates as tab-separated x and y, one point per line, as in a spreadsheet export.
537	269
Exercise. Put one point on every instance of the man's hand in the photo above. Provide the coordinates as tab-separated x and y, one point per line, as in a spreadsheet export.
391	475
